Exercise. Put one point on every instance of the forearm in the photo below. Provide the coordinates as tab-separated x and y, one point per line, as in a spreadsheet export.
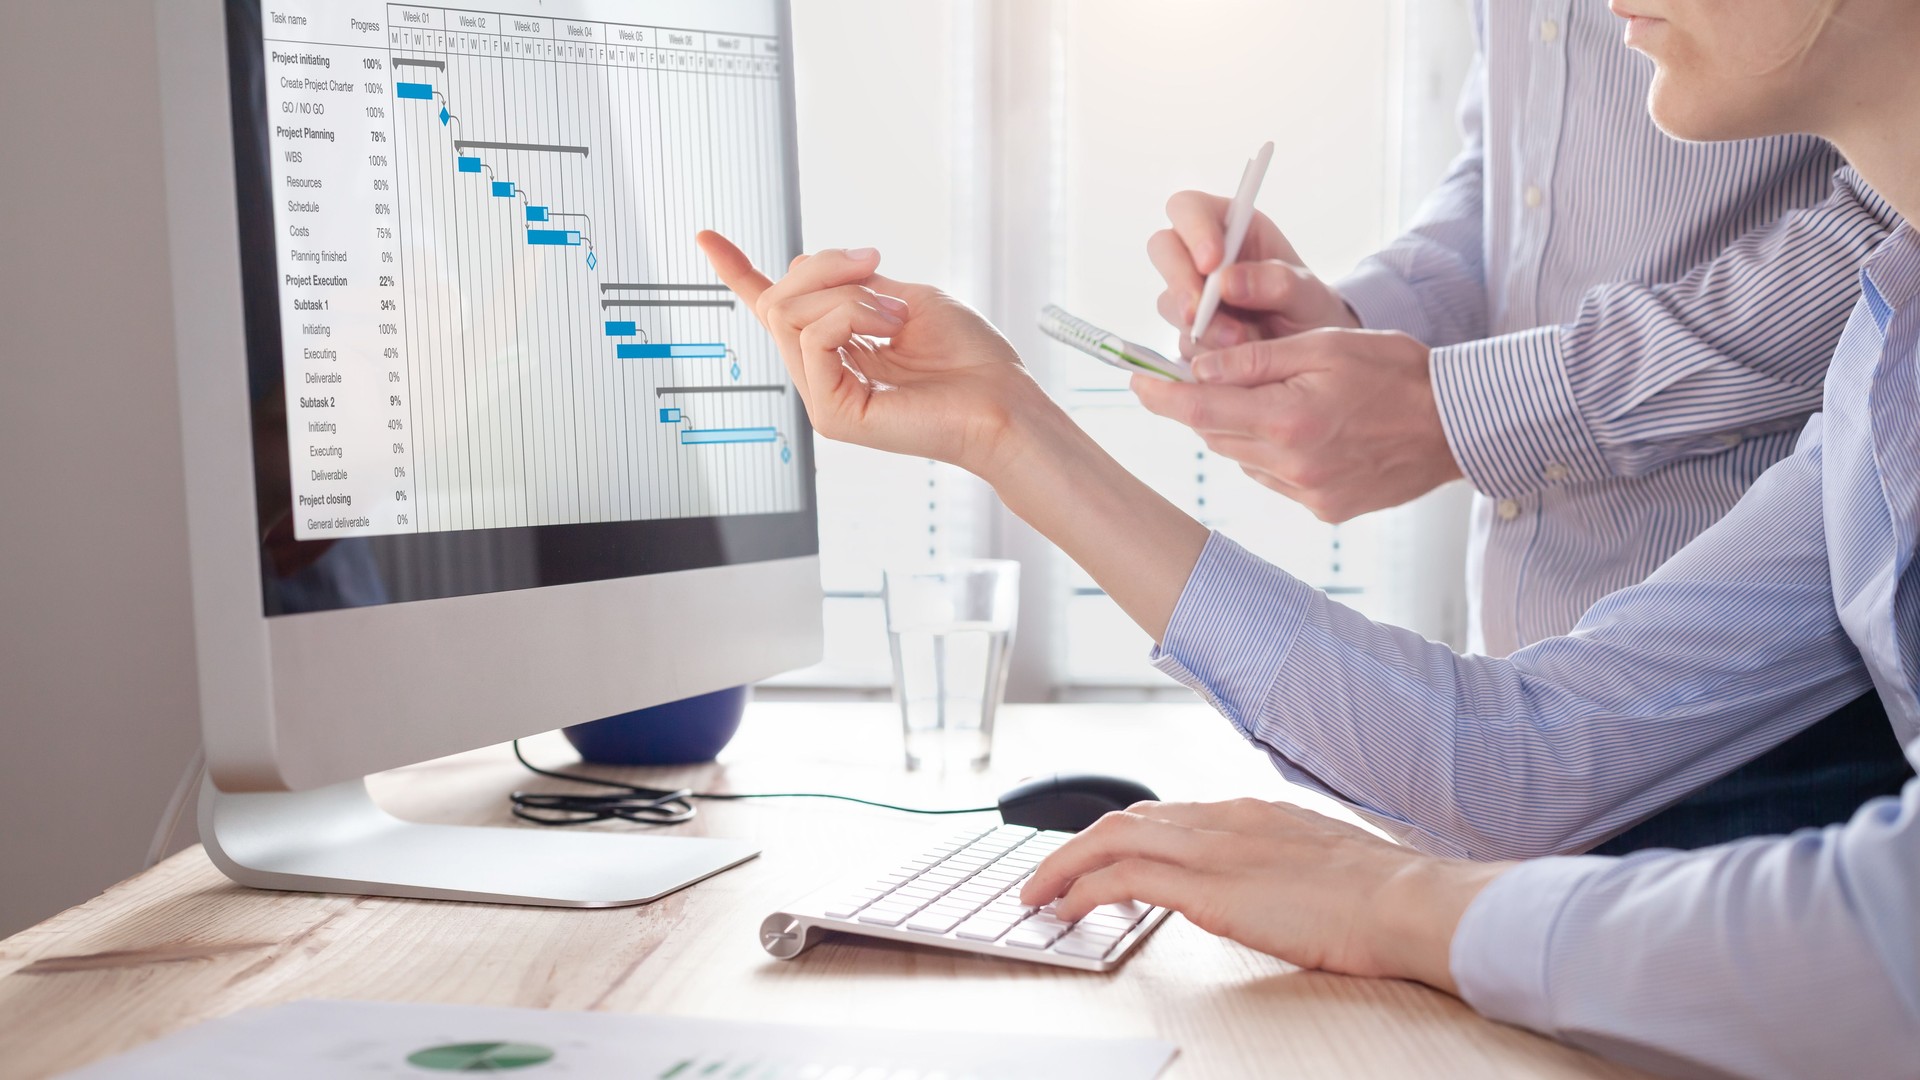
1665	686
1139	547
1647	374
1779	956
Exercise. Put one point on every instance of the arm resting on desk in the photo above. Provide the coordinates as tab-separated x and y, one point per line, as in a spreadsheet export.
1787	957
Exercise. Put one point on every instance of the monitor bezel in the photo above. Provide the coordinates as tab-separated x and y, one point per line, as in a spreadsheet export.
302	701
595	551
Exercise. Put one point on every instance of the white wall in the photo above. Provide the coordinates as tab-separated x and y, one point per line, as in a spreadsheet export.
97	700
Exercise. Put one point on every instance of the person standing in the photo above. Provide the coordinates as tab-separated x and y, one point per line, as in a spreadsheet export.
1609	333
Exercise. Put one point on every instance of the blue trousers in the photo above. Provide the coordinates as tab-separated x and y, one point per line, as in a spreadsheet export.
1818	777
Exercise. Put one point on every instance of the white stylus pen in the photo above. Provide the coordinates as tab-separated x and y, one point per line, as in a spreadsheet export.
1239	216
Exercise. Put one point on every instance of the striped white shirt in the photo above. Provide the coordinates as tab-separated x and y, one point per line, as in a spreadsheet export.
1627	329
1777	956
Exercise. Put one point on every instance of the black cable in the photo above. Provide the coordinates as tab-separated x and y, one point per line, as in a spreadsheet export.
652	806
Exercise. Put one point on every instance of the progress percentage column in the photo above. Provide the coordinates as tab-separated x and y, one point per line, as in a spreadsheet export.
329	99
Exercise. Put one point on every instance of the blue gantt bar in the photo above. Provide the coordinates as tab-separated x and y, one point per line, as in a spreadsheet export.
710	436
469	164
417	91
565	237
671	352
503	189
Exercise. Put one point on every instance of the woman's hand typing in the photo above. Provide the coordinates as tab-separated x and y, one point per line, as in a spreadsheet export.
1287	881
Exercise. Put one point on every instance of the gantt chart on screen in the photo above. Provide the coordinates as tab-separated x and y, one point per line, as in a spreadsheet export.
492	309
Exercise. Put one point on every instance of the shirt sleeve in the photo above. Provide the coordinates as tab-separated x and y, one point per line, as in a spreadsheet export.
1729	649
1648	374
1430	283
1778	957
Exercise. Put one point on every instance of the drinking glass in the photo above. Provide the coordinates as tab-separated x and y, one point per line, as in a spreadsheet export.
950	628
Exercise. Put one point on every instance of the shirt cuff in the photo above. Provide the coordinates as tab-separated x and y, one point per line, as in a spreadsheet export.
1510	417
1382	300
1504	942
1231	630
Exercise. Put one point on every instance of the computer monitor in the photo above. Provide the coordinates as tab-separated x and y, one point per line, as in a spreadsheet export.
476	445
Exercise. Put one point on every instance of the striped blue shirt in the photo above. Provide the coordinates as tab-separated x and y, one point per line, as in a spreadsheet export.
1784	956
1627	329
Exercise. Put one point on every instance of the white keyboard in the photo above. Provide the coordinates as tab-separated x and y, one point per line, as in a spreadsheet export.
964	893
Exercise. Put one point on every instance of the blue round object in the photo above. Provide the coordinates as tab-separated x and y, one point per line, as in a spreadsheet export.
678	733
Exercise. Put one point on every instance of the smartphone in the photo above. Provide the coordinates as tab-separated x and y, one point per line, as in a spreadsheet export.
1111	349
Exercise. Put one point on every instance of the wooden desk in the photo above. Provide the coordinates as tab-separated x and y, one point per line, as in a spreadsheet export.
181	944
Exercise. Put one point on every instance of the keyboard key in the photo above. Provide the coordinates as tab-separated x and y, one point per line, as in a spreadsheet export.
982	928
1086	930
851	904
1038	932
1092	948
1024	938
1043	920
886	915
928	922
1132	911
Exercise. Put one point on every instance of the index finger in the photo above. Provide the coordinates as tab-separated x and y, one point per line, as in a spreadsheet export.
1171	258
735	269
1200	221
1116	837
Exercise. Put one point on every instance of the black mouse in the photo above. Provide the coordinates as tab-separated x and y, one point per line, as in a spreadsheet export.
1069	802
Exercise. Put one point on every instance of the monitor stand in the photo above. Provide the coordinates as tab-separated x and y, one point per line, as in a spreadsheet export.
335	839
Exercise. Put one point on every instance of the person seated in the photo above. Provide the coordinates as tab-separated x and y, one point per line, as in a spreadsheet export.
1608	334
1778	956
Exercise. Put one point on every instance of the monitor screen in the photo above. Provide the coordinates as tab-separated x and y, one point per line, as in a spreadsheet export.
484	352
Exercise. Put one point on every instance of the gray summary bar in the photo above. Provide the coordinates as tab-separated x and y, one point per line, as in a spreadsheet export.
548	148
665	303
408	61
768	388
651	287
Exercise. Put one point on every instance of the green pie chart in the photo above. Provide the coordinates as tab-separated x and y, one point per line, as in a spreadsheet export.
480	1057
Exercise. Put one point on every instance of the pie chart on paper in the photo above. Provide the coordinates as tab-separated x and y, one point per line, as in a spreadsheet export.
480	1057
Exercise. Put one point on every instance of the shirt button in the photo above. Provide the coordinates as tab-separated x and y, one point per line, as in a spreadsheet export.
1549	30
1535	196
1556	472
1508	509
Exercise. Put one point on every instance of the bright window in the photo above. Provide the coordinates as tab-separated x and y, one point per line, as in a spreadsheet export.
1021	153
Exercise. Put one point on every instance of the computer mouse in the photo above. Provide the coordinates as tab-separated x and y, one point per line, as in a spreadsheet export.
1069	802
